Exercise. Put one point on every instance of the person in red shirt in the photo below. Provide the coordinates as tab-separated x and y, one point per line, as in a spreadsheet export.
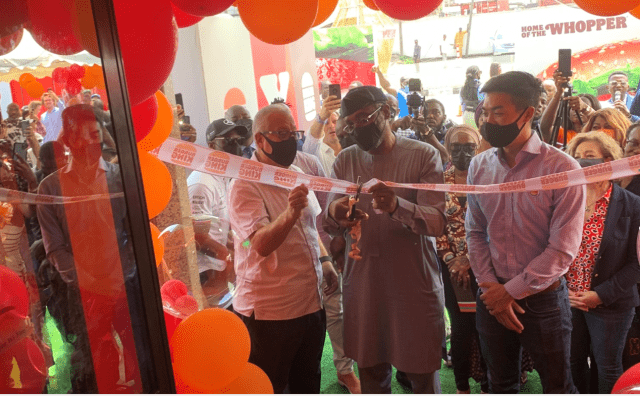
602	279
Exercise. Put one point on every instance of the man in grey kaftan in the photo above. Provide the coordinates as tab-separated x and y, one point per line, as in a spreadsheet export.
393	296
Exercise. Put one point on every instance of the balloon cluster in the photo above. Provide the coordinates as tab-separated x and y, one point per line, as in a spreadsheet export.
33	87
609	8
215	341
16	345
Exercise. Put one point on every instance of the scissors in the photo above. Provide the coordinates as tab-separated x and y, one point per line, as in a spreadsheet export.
352	215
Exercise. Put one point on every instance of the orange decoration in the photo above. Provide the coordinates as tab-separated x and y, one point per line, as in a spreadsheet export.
251	381
25	79
158	243
371	4
34	89
635	12
278	23
83	25
607	7
163	126
325	9
210	349
157	183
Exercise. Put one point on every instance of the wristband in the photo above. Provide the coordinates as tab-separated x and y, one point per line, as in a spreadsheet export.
326	258
321	121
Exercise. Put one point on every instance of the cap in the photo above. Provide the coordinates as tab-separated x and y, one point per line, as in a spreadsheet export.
96	96
223	126
359	98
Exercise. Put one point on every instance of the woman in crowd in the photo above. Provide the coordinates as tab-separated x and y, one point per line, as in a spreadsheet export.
631	148
479	118
470	95
591	100
462	142
602	279
610	121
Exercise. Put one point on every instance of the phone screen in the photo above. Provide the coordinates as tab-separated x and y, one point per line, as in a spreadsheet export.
20	149
179	100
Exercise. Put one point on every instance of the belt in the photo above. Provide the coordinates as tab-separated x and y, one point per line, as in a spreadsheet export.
551	287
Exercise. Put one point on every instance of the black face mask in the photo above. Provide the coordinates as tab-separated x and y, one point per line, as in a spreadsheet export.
501	135
369	136
282	153
461	157
232	147
587	162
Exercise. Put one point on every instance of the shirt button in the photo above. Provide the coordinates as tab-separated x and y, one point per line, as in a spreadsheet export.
596	275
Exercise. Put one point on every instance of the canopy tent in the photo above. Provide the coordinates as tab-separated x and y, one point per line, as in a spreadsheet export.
29	57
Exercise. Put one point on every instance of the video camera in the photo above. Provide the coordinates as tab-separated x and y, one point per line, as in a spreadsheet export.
415	100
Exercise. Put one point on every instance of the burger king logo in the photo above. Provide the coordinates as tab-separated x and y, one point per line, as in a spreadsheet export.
321	185
634	162
513	186
183	154
462	188
285	177
217	162
598	172
250	170
552	182
352	190
44	199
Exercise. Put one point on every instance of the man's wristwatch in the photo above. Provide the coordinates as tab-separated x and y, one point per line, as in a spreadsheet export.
448	257
319	120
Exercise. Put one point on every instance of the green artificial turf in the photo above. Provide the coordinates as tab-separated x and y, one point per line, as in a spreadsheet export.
330	385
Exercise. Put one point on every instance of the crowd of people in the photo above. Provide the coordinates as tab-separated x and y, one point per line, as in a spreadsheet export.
543	280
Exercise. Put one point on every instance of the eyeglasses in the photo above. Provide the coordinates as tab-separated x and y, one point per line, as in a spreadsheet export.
621	83
360	121
229	140
284	135
632	142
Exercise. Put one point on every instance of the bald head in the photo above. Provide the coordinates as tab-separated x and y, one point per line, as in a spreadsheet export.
13	110
237	112
271	115
550	87
393	104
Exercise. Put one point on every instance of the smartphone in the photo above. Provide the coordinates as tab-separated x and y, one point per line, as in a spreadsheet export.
24	125
334	90
179	100
20	149
564	62
185	123
415	85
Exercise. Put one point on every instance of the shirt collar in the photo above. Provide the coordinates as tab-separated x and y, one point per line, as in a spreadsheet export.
102	165
532	146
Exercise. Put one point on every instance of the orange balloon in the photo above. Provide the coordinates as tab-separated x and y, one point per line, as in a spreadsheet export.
607	7
34	89
325	9
163	126
25	79
157	183
635	12
252	381
210	349
371	4
158	243
278	23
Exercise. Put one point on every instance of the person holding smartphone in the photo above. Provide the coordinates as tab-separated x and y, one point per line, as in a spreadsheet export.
19	131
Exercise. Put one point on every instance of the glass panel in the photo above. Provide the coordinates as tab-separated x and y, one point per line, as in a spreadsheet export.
71	315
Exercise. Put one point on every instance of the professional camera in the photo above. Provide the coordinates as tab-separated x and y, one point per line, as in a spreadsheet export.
415	100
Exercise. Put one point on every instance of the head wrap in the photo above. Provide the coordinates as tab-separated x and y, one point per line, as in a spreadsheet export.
457	129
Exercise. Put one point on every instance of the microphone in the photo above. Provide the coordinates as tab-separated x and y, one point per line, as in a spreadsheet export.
617	96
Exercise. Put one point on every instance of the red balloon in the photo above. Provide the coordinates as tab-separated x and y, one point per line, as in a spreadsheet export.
606	7
10	42
171	323
183	19
407	10
13	292
76	71
148	41
172	290
60	75
203	8
144	117
13	17
52	28
628	378
73	86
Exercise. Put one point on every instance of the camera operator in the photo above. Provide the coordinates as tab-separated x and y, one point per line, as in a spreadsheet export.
427	134
577	105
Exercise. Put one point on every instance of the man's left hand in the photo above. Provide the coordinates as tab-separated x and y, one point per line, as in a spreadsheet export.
189	134
384	198
585	300
622	107
330	277
501	305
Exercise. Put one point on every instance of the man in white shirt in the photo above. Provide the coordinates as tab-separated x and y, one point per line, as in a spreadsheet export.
280	267
52	118
322	140
209	207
